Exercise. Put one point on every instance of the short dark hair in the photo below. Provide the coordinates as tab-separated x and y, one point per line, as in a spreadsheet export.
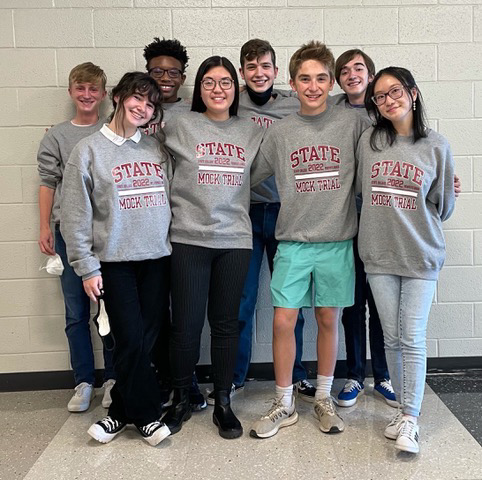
313	50
383	129
255	48
211	62
168	48
348	56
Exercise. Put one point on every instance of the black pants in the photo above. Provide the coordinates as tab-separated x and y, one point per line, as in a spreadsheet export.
136	294
215	276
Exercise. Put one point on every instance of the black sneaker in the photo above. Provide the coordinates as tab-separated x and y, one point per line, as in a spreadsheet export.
305	390
106	429
196	398
234	391
154	433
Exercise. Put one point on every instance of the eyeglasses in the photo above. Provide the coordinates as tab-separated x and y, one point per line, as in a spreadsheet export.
157	72
394	93
210	84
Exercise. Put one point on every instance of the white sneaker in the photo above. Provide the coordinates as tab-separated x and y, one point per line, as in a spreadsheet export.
408	436
392	429
80	402
106	429
278	416
330	421
154	432
107	399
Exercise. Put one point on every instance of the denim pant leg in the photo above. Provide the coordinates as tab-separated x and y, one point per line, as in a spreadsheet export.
377	344
404	306
354	323
250	295
77	318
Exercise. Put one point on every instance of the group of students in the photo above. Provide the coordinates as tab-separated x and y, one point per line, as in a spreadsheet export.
167	208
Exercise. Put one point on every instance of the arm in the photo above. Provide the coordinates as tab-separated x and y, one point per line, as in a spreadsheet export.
260	170
45	202
77	214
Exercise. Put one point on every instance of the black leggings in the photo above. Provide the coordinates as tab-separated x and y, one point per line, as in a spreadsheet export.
200	274
136	295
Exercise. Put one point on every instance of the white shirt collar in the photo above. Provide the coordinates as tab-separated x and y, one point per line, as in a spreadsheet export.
117	139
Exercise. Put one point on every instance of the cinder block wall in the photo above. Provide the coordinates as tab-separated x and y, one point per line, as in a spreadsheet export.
41	40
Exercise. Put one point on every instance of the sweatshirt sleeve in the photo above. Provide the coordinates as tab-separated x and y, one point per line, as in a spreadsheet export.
49	162
442	192
262	168
77	214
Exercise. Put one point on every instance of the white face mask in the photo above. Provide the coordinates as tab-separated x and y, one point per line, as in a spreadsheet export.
54	265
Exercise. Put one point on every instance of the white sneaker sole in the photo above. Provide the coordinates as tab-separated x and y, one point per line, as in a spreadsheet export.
392	403
99	434
349	403
284	423
407	448
158	436
390	436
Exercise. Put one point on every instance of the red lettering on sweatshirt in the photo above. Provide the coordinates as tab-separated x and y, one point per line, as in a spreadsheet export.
314	153
136	169
391	168
220	149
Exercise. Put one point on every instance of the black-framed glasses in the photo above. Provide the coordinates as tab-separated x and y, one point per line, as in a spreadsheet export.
394	93
157	72
210	84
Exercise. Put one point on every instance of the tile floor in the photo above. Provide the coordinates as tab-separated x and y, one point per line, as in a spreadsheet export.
41	440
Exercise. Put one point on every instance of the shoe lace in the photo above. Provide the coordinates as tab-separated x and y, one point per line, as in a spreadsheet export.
109	423
387	385
277	410
407	429
351	385
325	405
151	427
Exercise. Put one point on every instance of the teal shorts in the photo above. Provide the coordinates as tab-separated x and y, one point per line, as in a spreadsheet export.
326	266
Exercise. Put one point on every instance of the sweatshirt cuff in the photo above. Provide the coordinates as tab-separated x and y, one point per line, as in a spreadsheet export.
95	273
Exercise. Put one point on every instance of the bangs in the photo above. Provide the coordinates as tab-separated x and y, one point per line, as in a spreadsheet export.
150	90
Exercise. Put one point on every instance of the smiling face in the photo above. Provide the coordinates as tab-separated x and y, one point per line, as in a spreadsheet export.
138	111
312	84
354	79
259	73
398	111
87	97
169	86
218	100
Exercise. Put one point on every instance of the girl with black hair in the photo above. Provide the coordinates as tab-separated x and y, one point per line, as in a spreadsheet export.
406	177
211	235
116	210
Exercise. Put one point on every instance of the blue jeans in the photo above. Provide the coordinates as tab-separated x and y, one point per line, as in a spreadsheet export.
263	219
77	318
354	323
404	305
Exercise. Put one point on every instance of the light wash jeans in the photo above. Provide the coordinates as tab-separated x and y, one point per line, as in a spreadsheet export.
403	304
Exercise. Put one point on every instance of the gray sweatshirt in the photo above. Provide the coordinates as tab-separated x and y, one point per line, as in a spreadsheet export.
211	184
408	191
313	160
115	203
53	153
264	116
169	110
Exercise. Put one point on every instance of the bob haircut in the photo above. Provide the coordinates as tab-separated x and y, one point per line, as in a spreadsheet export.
348	56
312	51
211	62
141	83
384	131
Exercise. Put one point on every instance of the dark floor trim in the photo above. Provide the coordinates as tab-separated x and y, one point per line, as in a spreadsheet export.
26	381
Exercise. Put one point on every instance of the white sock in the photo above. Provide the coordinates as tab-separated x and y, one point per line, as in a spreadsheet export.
323	386
410	417
285	394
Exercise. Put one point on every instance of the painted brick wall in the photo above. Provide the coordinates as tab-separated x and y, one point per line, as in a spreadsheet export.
41	40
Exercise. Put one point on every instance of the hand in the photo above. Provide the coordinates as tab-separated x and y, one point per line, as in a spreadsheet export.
457	186
93	286
46	241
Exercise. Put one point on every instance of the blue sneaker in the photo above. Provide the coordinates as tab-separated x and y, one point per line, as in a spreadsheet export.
384	389
347	397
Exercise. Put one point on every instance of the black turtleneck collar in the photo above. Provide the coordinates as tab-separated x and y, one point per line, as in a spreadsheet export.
259	98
